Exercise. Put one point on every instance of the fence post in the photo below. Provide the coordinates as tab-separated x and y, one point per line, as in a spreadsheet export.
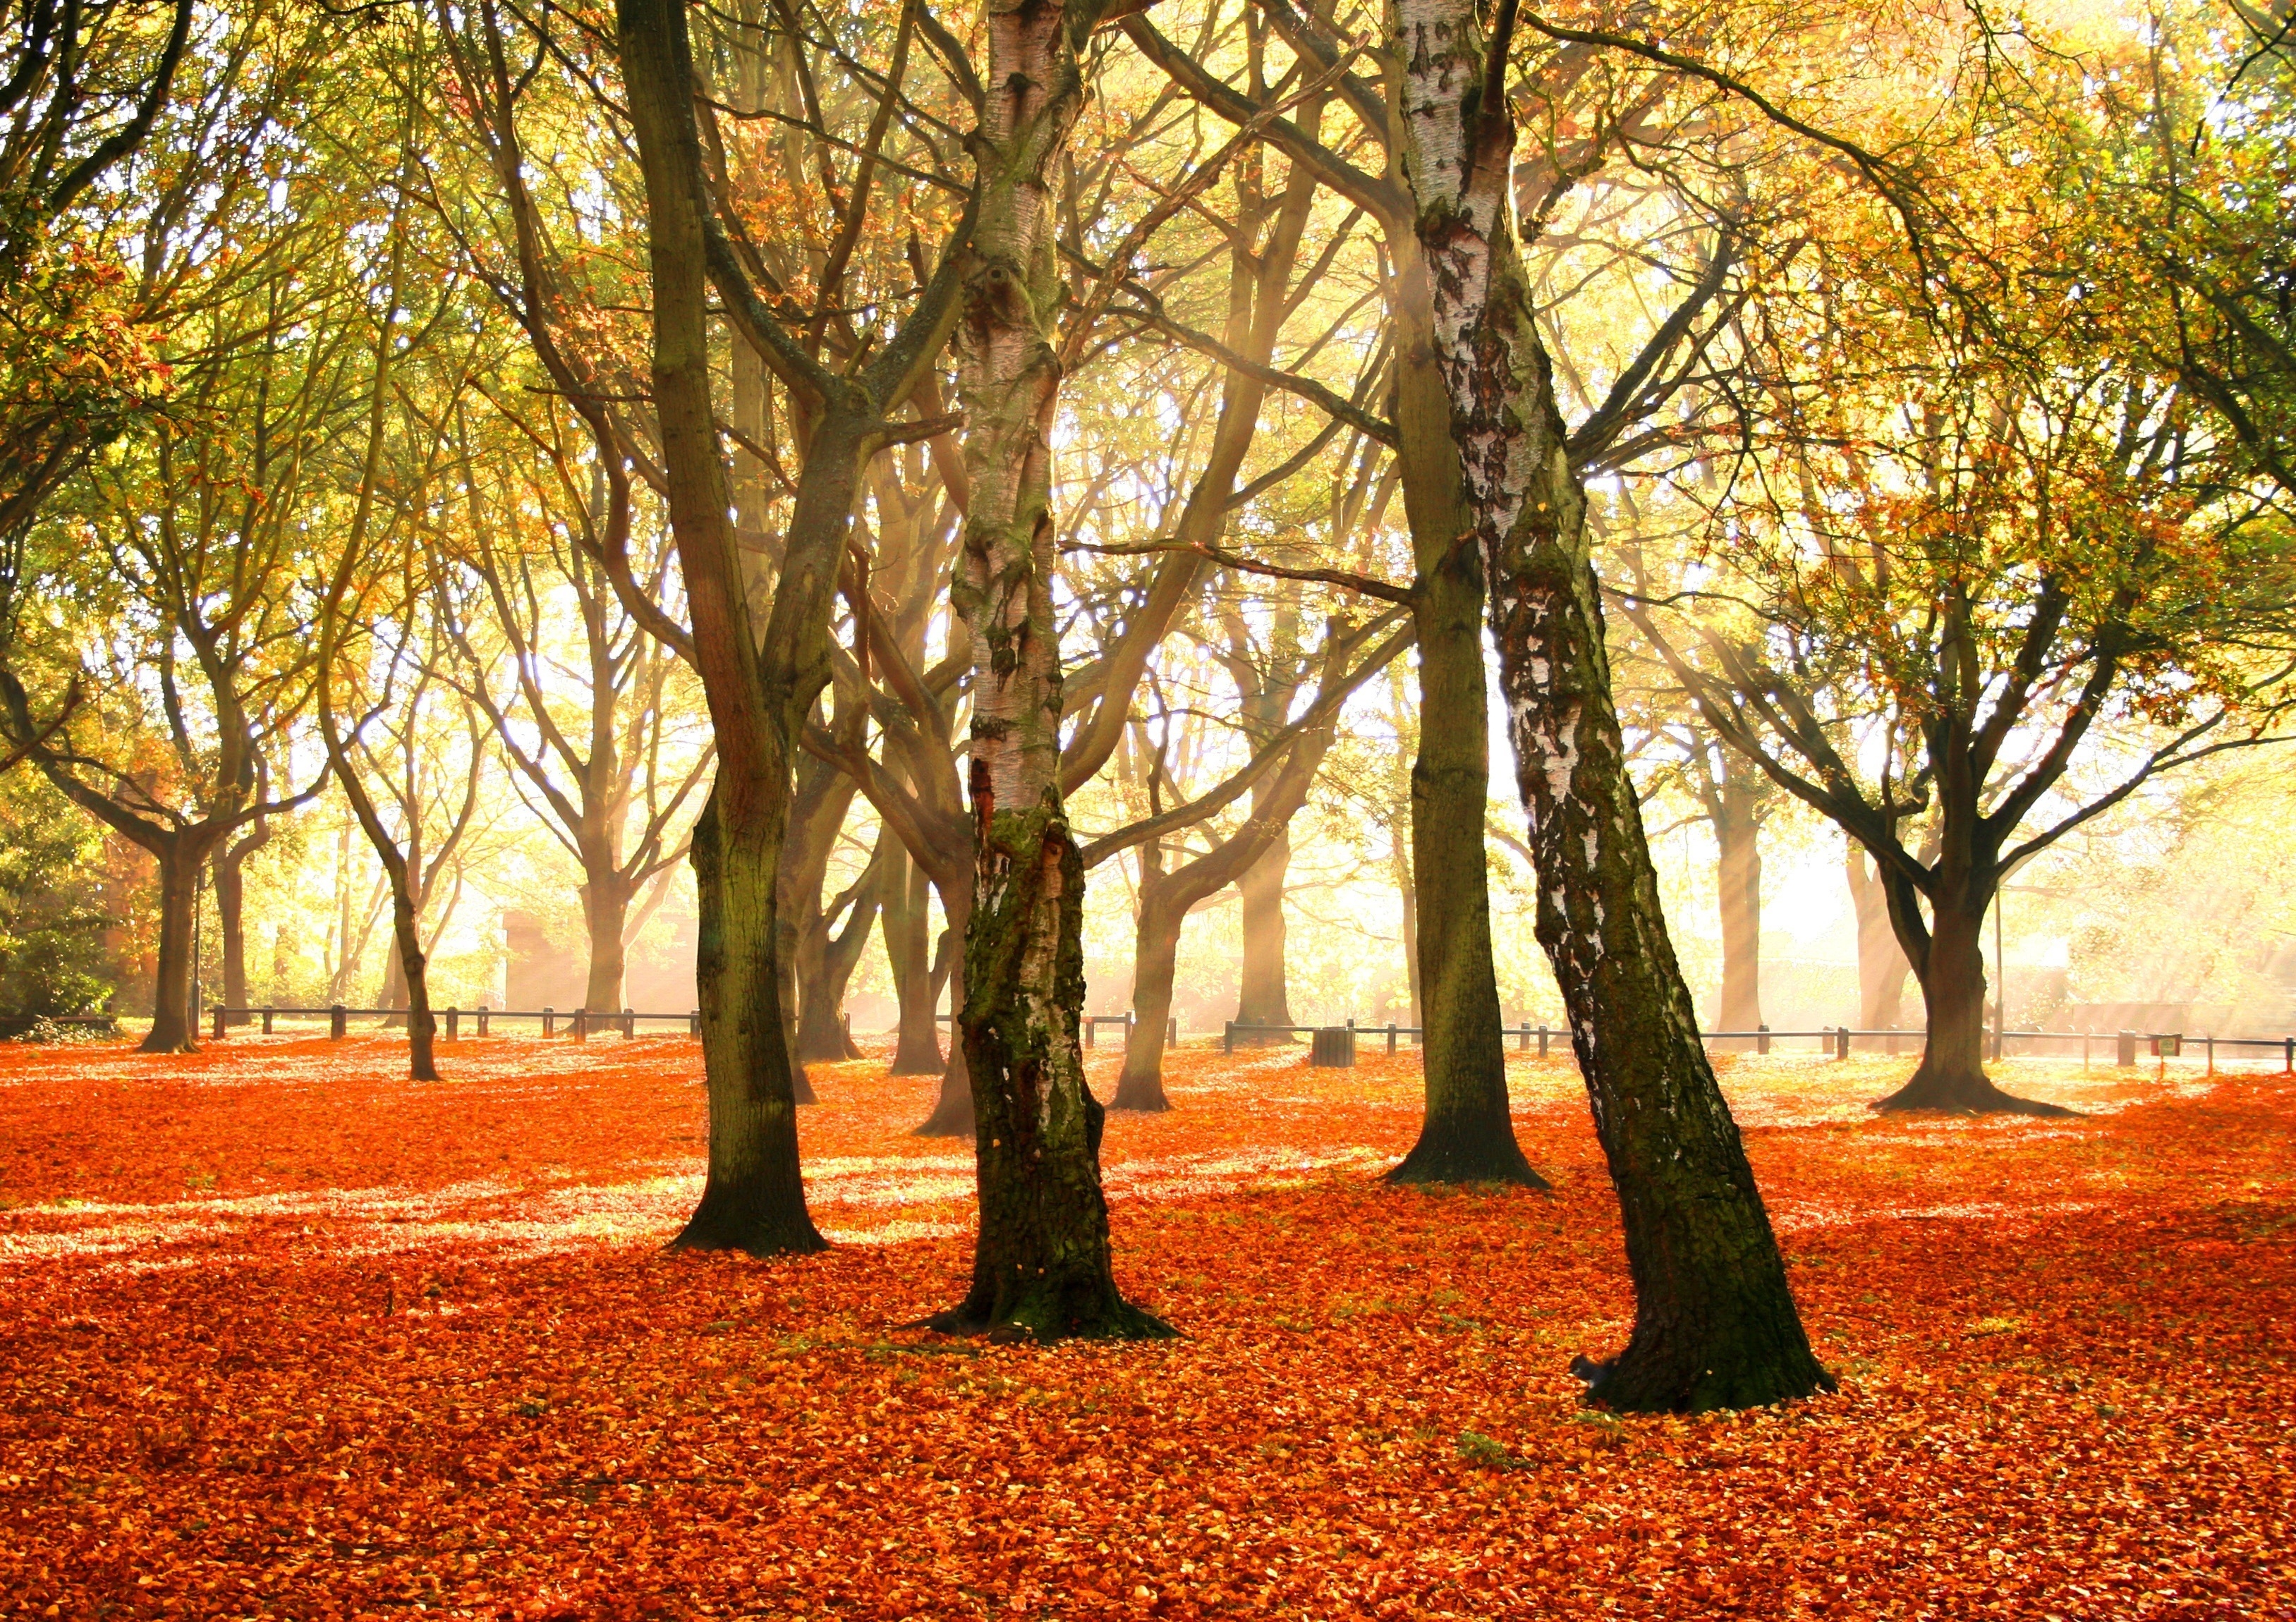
2084	1052
218	1022
267	1021
453	1023
482	1019
2287	1064
338	1022
1390	1036
1091	1031
1227	1038
1172	1031
549	1021
1841	1042
693	1023
2124	1050
1761	1038
1542	1041
2208	1043
582	1023
630	1024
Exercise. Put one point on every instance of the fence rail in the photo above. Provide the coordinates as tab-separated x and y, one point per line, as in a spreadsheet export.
1832	1039
579	1022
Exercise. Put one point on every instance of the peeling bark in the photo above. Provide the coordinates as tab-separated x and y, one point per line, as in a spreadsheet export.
1042	1266
1715	1324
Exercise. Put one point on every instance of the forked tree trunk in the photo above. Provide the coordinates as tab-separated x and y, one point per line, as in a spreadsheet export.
1264	997
1467	1133
761	691
1715	1324
907	923
828	967
1042	1266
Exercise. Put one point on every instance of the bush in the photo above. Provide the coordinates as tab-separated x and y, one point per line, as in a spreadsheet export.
53	959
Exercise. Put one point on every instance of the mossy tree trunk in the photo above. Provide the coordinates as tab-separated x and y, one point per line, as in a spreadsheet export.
1043	1266
1715	1324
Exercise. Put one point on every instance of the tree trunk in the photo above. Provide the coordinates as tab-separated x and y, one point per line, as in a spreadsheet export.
907	922
1042	1266
605	915
1881	965
754	1198
759	692
1264	998
231	916
1467	1133
1407	889
952	1114
1951	1075
822	1031
174	1022
1738	837
1715	1325
1155	960
422	1028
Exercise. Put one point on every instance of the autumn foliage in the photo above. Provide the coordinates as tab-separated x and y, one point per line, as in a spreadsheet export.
284	1335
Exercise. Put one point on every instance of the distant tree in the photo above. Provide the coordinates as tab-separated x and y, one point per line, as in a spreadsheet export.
2010	565
54	960
170	574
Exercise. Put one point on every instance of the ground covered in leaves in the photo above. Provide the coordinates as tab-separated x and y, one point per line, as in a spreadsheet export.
284	1335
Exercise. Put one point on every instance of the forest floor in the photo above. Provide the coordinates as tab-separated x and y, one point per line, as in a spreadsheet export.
284	1335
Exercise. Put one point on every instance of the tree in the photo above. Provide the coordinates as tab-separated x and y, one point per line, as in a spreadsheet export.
761	691
361	614
1166	897
590	722
1042	1264
1715	1321
2028	544
83	88
1467	1133
178	559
